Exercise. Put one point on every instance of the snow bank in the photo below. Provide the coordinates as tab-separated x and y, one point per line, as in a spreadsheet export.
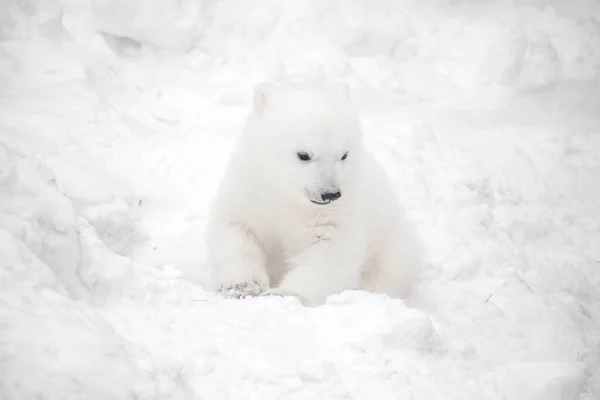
166	24
419	49
43	219
117	118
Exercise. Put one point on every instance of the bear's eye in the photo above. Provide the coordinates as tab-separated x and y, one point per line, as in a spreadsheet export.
345	156
303	156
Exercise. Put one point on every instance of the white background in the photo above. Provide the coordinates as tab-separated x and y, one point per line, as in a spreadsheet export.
117	118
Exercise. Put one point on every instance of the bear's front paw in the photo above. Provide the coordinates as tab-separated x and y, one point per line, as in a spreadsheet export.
239	290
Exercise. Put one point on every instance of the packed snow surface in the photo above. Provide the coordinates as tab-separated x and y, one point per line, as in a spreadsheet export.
116	121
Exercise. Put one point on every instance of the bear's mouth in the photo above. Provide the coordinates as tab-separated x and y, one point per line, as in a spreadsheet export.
320	203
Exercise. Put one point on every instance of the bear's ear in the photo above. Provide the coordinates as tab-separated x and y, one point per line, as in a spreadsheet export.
263	93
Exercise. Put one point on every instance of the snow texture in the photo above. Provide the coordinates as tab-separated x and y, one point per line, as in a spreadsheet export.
117	118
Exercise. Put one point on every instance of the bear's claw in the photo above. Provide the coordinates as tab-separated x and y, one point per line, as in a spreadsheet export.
242	289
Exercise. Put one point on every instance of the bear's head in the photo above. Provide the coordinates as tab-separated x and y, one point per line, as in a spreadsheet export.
308	139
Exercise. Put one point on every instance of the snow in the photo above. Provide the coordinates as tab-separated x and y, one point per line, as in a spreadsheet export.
117	118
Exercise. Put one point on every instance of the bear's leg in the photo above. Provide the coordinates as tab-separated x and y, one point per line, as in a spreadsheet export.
237	261
393	270
325	268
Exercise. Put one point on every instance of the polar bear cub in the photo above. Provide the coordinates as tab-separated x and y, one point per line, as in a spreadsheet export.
303	208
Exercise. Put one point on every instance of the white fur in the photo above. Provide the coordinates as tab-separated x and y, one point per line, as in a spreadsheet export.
265	236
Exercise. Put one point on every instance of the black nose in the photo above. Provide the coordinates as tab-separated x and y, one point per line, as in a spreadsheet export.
331	196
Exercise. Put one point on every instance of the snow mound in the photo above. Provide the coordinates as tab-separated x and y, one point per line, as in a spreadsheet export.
168	25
